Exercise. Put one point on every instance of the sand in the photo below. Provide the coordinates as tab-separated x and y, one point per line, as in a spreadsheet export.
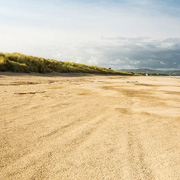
89	127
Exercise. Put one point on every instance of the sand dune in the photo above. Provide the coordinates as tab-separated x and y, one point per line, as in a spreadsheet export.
87	127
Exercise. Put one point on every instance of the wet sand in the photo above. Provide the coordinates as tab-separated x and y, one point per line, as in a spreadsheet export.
76	127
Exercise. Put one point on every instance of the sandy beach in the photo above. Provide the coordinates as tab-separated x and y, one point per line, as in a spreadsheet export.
89	127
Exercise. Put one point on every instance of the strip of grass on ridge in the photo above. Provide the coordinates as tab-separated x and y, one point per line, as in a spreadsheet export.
16	62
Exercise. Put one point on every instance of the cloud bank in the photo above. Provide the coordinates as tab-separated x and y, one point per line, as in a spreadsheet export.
121	52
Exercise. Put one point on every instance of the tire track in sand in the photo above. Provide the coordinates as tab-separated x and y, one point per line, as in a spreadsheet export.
136	157
137	166
43	160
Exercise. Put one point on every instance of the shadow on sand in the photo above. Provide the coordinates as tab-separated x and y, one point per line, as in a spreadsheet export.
54	74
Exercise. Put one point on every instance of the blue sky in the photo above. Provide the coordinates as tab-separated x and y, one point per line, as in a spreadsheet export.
109	33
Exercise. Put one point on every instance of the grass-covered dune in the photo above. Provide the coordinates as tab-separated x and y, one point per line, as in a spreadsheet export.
16	62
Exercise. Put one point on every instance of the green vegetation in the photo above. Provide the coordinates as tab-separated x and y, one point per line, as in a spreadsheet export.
16	62
153	72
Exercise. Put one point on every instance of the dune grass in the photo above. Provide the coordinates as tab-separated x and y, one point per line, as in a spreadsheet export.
16	62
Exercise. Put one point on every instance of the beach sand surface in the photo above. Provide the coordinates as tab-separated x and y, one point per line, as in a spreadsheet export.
89	127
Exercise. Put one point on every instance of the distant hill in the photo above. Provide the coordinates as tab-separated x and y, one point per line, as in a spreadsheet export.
154	72
16	62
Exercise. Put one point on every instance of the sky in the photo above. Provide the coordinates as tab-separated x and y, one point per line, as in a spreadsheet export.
121	34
